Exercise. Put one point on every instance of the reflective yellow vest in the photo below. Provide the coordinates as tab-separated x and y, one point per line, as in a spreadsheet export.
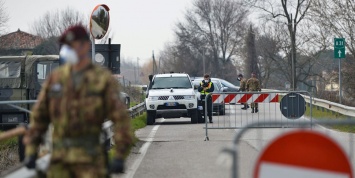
205	92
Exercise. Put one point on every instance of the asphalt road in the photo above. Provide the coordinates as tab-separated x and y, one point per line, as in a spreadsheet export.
176	148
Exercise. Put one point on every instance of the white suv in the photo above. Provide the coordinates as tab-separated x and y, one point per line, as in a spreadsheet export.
171	96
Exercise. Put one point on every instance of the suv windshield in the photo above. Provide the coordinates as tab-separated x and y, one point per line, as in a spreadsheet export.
171	82
44	69
10	69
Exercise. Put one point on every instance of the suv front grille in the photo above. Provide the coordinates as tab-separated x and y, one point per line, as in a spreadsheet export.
180	106
176	97
179	97
163	98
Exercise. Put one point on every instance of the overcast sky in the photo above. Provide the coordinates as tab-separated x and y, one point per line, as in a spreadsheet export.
140	26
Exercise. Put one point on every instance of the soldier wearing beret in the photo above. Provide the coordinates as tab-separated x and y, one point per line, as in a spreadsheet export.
76	99
253	84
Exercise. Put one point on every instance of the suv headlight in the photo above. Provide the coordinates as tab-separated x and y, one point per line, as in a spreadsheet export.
189	97
153	98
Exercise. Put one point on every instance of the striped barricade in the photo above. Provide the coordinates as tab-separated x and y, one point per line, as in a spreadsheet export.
246	98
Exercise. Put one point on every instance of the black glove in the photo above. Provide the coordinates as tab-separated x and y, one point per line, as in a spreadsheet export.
30	161
117	166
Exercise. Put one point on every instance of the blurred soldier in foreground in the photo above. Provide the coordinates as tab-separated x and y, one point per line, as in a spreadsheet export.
243	87
253	85
206	87
77	98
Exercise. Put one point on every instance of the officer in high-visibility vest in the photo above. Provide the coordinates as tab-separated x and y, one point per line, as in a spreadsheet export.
206	87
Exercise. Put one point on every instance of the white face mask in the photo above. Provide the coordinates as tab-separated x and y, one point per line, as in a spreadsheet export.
207	81
239	79
68	55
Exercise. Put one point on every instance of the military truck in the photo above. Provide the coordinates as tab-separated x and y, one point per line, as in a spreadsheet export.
21	78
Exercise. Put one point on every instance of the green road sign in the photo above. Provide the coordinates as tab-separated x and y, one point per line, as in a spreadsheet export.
339	48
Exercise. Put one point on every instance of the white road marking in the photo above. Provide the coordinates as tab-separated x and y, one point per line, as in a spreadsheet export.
143	151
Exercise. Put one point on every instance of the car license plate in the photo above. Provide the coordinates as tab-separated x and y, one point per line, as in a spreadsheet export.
12	119
170	104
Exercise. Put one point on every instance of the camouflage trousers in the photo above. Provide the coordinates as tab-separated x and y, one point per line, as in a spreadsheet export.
61	170
254	105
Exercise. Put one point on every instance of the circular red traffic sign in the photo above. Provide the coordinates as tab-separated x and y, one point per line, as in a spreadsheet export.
305	154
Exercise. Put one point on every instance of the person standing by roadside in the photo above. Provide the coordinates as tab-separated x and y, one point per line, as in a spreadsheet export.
253	85
76	99
242	88
206	87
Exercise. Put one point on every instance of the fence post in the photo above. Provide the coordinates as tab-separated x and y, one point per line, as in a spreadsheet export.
205	115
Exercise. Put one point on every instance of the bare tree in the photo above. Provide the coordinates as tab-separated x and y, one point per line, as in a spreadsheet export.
336	18
290	13
52	24
212	31
4	17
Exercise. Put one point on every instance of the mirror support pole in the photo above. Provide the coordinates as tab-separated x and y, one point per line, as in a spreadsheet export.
93	49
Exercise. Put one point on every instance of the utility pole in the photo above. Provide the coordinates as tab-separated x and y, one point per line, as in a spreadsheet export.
293	65
138	76
154	65
135	75
159	69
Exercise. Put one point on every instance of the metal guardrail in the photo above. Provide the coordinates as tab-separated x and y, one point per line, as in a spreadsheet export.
332	106
137	110
325	105
43	162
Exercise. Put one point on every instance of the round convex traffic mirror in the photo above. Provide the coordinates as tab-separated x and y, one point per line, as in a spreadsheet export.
99	21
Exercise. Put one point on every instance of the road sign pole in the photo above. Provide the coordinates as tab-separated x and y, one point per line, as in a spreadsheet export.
339	53
340	93
93	49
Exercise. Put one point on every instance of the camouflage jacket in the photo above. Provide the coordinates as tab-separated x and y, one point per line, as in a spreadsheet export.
243	84
77	111
253	84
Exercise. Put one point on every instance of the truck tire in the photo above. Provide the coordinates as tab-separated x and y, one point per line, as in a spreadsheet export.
151	117
194	116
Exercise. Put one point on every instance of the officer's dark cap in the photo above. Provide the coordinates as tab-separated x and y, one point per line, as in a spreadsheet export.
74	33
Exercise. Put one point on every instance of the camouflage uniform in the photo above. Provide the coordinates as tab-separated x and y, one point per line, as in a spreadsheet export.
243	88
77	104
243	84
253	84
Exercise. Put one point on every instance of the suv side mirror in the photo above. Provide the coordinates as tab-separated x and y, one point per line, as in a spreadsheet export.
196	87
225	89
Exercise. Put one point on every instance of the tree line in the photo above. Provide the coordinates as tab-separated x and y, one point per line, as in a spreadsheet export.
267	37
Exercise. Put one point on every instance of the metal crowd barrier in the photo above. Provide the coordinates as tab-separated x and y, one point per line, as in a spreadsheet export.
269	110
347	144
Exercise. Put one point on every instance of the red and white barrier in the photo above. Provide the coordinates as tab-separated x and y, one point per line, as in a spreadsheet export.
246	98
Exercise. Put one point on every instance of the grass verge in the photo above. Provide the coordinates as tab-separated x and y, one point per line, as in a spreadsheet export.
136	123
325	114
8	153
